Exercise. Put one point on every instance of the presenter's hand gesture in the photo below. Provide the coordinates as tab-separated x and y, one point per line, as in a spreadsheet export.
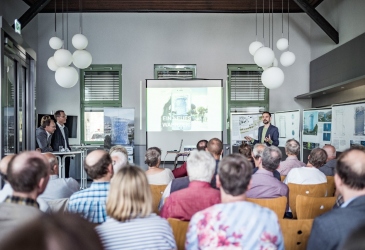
268	139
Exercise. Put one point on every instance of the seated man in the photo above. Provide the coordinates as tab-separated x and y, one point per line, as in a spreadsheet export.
263	183
329	168
235	223
199	195
58	188
44	134
91	202
331	229
119	157
181	171
28	175
257	151
292	149
309	174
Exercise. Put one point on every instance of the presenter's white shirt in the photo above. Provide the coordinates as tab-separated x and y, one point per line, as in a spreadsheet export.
305	175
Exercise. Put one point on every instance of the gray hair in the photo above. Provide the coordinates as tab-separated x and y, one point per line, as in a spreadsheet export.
200	166
271	158
257	150
292	147
121	162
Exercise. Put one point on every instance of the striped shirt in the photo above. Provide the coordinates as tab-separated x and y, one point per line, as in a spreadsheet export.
91	202
151	232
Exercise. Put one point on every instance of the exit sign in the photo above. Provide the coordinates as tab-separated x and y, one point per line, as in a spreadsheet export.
17	26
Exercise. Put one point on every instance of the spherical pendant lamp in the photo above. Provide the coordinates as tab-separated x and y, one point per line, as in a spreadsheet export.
79	41
264	57
287	58
55	42
254	46
82	59
52	64
272	77
63	57
66	77
282	44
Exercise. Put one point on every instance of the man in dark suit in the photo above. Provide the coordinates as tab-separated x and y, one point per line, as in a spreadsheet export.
60	137
268	134
44	134
331	229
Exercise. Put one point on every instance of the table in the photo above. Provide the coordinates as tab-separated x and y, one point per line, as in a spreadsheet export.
183	154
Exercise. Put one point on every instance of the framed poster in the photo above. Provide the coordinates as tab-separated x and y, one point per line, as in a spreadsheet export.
119	126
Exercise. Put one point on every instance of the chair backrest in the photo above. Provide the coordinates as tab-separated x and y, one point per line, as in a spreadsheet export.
310	207
179	228
282	177
278	205
58	205
157	191
296	233
314	190
331	187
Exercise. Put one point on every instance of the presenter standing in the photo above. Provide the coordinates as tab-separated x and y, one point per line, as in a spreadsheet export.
268	134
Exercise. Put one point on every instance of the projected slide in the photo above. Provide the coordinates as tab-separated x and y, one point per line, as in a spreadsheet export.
184	109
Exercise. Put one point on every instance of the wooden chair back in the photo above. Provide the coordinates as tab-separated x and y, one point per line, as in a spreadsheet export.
282	177
331	187
311	207
278	205
296	233
314	190
157	191
179	228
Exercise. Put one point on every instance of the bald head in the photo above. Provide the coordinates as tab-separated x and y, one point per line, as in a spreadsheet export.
215	147
351	168
97	164
52	163
331	151
26	170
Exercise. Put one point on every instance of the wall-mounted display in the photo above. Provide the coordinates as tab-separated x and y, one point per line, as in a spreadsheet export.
288	125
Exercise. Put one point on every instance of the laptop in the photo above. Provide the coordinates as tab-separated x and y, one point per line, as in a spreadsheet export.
176	151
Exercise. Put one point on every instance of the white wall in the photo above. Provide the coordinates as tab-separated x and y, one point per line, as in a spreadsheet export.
346	16
140	40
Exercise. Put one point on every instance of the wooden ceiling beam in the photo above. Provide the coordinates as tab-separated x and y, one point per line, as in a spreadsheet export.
32	12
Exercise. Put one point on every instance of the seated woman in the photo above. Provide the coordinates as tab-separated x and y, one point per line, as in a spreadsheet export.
156	175
131	223
246	150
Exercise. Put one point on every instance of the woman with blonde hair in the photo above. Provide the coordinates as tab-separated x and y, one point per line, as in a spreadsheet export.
155	174
131	223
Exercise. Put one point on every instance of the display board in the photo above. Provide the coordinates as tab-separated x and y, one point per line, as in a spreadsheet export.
348	125
245	124
288	125
188	110
118	126
317	128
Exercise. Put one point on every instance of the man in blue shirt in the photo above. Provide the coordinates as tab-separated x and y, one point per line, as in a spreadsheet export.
91	202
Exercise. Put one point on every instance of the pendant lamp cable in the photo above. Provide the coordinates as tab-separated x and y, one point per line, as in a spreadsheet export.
80	16
282	18
55	18
272	24
288	26
67	23
269	12
263	20
63	28
256	20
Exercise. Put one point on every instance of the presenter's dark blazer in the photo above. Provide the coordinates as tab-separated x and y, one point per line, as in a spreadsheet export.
274	135
331	229
57	139
41	140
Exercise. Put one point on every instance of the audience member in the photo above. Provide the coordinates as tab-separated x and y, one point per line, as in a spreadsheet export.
292	149
309	174
356	239
131	223
91	202
184	203
54	232
234	224
28	174
246	150
181	171
44	134
263	182
331	229
119	157
58	188
215	147
329	168
155	174
257	151
8	190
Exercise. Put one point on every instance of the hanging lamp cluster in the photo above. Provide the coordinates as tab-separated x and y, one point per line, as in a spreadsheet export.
264	56
67	76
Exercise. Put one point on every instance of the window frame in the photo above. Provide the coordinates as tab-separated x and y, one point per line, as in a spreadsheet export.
97	104
174	67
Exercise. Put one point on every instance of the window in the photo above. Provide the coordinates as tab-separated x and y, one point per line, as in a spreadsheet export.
101	86
246	93
175	71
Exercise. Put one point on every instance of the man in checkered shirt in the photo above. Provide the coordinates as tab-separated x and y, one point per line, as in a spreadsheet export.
91	202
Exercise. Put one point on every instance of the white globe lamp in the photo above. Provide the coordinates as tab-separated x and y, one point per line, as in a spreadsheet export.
287	58
275	62
52	64
254	46
264	57
66	77
55	43
272	77
282	44
82	59
79	41
63	57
